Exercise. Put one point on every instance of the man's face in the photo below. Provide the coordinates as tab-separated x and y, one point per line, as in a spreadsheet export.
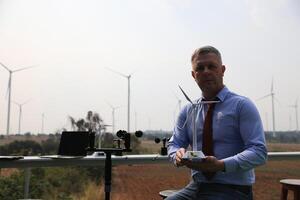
208	72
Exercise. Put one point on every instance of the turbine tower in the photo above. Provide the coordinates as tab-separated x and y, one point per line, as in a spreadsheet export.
9	92
113	116
20	114
272	94
43	120
296	112
178	102
128	100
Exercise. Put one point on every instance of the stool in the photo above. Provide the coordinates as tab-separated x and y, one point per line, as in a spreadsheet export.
165	193
290	184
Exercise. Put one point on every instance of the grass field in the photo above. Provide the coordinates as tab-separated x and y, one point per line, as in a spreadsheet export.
11	138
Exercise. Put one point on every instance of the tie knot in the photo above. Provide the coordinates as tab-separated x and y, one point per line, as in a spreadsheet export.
216	99
211	105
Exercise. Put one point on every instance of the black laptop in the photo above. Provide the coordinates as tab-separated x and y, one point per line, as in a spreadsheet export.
72	144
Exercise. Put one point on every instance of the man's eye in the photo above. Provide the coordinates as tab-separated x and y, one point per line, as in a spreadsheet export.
200	67
211	66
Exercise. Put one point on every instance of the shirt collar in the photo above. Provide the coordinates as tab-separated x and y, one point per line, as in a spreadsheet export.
221	95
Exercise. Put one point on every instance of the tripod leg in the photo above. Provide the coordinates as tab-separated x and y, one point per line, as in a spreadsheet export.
107	176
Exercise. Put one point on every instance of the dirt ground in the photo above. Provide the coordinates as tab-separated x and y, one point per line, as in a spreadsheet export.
145	181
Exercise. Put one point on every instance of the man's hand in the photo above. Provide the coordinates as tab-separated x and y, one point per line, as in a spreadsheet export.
178	158
208	164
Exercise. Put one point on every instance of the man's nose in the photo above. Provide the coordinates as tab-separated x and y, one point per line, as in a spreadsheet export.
206	69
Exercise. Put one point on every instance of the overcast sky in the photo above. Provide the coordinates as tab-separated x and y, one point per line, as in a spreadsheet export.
73	41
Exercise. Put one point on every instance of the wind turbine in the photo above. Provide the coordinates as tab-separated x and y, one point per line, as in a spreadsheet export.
178	102
43	120
20	113
113	116
128	100
266	118
296	112
9	92
178	105
272	94
135	121
192	113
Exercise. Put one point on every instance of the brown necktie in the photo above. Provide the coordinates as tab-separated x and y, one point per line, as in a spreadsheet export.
207	138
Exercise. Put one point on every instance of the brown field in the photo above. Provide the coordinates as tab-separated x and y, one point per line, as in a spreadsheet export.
6	172
145	181
283	147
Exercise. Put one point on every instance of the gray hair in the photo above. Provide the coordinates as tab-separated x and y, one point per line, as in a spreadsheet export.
206	50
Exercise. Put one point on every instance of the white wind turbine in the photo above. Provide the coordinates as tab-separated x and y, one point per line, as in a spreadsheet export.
266	118
20	113
296	112
178	102
113	108
9	92
43	121
128	100
193	113
178	106
272	94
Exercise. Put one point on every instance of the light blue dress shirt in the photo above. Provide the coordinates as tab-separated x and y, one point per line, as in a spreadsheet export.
238	137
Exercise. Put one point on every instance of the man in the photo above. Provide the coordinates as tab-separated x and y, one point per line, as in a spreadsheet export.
232	139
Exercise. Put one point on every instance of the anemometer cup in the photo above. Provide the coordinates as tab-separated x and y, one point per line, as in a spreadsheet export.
163	150
126	137
138	134
157	140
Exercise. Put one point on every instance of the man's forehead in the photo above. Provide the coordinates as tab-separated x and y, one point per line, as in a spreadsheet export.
208	57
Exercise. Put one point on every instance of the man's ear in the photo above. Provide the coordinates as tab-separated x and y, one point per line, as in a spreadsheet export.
223	69
193	74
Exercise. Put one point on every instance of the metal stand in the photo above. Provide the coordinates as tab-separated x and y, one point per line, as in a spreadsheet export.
108	166
108	152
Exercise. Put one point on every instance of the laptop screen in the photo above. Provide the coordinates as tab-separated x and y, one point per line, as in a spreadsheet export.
73	143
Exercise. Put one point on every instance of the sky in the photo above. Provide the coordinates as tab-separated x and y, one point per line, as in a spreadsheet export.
73	42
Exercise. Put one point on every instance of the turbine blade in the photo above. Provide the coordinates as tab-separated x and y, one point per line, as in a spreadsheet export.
8	86
15	103
4	66
175	95
277	101
27	101
188	117
118	107
133	72
263	97
24	68
187	98
121	74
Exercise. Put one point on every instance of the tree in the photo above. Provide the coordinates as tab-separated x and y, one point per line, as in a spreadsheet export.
92	122
26	148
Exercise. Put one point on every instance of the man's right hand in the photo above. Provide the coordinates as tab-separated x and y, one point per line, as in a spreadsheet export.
178	159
